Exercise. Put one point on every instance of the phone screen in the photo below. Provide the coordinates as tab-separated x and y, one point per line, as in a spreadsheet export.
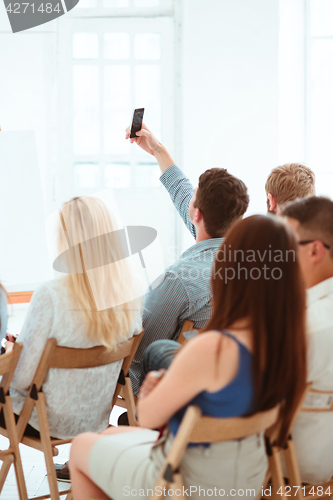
137	121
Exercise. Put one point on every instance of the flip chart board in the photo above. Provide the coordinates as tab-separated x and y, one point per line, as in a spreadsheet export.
24	257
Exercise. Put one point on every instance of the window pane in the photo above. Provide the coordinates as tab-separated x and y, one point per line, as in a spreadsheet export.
118	175
117	110
86	108
85	45
147	46
86	4
116	45
321	17
86	175
117	88
115	124
148	87
321	105
146	3
147	175
115	3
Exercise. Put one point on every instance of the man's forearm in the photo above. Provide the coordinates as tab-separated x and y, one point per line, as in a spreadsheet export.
164	159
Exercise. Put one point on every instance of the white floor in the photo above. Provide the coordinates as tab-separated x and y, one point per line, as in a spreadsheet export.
33	460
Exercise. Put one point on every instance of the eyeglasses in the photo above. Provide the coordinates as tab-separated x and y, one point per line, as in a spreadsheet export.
305	242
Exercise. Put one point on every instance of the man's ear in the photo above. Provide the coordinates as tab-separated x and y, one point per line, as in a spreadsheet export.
272	205
317	251
197	215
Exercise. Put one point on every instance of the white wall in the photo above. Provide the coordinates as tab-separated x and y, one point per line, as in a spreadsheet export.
230	90
27	85
27	62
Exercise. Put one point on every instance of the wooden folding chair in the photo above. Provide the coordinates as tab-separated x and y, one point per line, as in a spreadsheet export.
295	487
197	429
8	364
316	401
68	358
187	327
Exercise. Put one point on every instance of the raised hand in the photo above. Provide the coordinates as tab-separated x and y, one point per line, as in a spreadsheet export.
145	139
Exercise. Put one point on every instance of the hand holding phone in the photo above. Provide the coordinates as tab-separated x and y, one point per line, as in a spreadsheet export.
137	122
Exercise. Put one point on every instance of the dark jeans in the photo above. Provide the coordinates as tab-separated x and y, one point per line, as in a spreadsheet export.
159	355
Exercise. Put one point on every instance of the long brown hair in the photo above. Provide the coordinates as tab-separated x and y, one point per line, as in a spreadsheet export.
256	275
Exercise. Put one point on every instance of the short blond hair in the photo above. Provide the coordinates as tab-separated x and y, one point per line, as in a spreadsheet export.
290	182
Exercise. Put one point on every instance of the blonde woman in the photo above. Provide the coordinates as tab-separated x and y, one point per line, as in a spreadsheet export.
69	309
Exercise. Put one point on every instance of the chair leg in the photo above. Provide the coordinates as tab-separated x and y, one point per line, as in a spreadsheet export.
278	482
178	484
129	401
14	443
47	447
294	475
7	462
158	486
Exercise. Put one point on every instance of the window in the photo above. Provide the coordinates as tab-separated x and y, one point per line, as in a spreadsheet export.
107	67
319	92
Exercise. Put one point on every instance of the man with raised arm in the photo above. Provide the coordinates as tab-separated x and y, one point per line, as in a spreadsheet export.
208	211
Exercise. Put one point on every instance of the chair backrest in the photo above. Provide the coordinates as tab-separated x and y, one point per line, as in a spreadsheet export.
70	358
187	327
8	364
317	401
213	430
197	429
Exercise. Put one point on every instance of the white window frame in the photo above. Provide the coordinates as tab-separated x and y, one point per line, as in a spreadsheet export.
308	41
168	18
66	157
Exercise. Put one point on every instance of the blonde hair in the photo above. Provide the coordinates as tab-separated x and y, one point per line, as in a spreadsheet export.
290	182
103	282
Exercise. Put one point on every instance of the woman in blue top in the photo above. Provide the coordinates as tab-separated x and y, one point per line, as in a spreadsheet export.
244	362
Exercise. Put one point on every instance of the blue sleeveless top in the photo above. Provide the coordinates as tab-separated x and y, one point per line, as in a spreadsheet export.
234	400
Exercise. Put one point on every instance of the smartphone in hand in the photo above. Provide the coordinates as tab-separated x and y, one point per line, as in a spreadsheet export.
137	122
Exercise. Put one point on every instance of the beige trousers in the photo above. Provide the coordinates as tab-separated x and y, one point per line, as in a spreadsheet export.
127	465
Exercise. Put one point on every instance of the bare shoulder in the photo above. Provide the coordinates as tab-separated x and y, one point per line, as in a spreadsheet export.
206	345
210	353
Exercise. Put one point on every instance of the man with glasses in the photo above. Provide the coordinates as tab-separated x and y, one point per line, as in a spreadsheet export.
311	220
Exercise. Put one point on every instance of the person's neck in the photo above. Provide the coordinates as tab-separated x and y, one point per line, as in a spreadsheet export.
318	277
202	234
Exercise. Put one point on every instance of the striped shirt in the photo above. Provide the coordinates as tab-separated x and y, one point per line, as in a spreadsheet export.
184	293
